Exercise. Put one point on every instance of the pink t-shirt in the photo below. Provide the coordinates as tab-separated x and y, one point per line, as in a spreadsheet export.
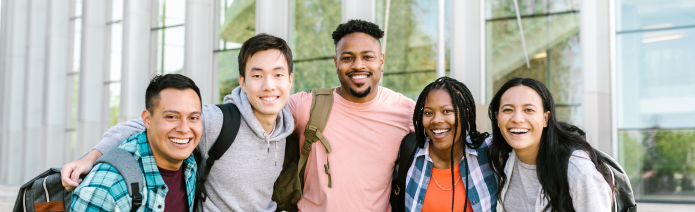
364	138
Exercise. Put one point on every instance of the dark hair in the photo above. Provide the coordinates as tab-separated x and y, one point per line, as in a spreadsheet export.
355	25
464	107
262	42
161	82
558	141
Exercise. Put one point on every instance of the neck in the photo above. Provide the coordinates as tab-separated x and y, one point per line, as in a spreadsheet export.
528	155
345	93
267	121
441	158
162	161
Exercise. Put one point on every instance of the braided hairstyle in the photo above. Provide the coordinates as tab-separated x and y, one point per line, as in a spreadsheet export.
464	110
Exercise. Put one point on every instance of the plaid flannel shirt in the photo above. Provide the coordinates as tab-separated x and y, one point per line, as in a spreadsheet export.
104	189
483	191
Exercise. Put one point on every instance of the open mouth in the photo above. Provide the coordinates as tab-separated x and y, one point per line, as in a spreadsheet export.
440	133
518	131
269	98
359	77
181	142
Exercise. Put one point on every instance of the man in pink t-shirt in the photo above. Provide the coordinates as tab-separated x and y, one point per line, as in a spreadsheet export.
365	128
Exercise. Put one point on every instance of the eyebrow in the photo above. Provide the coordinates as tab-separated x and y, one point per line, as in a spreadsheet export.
441	106
363	52
510	105
177	112
259	69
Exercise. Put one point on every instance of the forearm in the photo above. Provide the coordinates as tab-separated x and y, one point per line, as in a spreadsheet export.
119	133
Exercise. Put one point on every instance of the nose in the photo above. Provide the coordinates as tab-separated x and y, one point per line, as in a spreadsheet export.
183	127
518	117
358	64
268	84
438	118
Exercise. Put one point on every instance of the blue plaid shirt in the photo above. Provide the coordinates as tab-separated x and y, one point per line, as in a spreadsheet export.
483	191
104	189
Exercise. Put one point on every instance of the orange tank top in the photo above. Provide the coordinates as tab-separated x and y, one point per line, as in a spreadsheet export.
437	199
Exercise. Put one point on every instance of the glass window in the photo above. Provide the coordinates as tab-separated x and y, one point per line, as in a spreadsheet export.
551	32
170	36
655	56
237	24
312	23
411	48
114	83
73	78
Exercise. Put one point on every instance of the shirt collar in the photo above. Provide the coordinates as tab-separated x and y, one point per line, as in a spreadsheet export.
426	153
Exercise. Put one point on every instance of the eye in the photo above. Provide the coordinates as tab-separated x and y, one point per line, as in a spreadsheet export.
195	118
506	110
256	76
279	75
428	113
347	58
529	110
448	111
368	57
170	117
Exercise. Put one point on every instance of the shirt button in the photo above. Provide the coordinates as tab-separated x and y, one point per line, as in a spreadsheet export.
159	206
164	187
474	202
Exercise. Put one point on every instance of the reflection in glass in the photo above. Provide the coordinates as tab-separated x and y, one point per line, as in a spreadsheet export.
171	13
411	57
553	45
659	163
237	24
170	50
312	23
648	15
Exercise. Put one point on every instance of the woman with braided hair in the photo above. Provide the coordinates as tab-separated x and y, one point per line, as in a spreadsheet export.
448	170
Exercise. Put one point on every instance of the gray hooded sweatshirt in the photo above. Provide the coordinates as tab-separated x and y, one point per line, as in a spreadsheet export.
242	179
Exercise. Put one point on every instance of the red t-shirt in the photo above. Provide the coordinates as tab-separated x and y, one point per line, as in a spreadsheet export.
437	199
176	198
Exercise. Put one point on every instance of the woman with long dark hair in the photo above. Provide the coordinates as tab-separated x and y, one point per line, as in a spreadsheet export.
542	164
449	171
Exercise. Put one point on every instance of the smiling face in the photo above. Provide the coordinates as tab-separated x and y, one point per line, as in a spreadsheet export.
267	83
521	119
359	64
174	126
438	118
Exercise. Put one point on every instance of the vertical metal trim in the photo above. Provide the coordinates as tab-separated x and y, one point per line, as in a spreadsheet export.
483	58
614	75
441	42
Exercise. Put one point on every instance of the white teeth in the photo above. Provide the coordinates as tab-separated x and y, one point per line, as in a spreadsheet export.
268	98
359	76
439	131
518	130
179	141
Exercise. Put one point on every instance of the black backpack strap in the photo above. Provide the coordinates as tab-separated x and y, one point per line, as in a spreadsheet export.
230	128
406	155
129	168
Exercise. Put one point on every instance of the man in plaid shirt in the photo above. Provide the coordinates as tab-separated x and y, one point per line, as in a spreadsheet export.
163	151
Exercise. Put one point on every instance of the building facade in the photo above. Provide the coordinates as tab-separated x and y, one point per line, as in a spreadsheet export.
623	70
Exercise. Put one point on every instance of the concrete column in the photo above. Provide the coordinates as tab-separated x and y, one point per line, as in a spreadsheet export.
92	68
596	69
467	61
358	9
57	67
15	29
34	88
136	58
273	18
199	47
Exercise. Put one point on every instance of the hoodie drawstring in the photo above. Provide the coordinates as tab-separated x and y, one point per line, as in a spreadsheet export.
267	141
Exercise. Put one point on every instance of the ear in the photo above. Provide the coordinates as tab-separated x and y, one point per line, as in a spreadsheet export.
546	116
146	117
291	79
242	83
383	57
335	62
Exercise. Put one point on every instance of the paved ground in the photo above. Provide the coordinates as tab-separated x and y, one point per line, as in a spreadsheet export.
8	195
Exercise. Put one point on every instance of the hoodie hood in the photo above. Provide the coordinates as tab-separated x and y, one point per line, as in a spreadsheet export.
284	124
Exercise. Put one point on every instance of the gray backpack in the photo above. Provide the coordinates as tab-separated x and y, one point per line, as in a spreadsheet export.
46	193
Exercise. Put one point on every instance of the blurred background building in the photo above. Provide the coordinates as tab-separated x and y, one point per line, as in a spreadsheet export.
624	70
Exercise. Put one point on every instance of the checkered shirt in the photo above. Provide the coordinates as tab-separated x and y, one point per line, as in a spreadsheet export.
104	189
483	190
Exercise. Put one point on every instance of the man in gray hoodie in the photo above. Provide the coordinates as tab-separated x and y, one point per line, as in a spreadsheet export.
242	179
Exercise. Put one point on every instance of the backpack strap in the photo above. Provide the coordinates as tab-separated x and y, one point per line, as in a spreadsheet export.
321	105
129	168
406	155
230	128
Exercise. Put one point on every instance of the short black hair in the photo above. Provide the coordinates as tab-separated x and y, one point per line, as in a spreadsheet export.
262	42
161	82
355	25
